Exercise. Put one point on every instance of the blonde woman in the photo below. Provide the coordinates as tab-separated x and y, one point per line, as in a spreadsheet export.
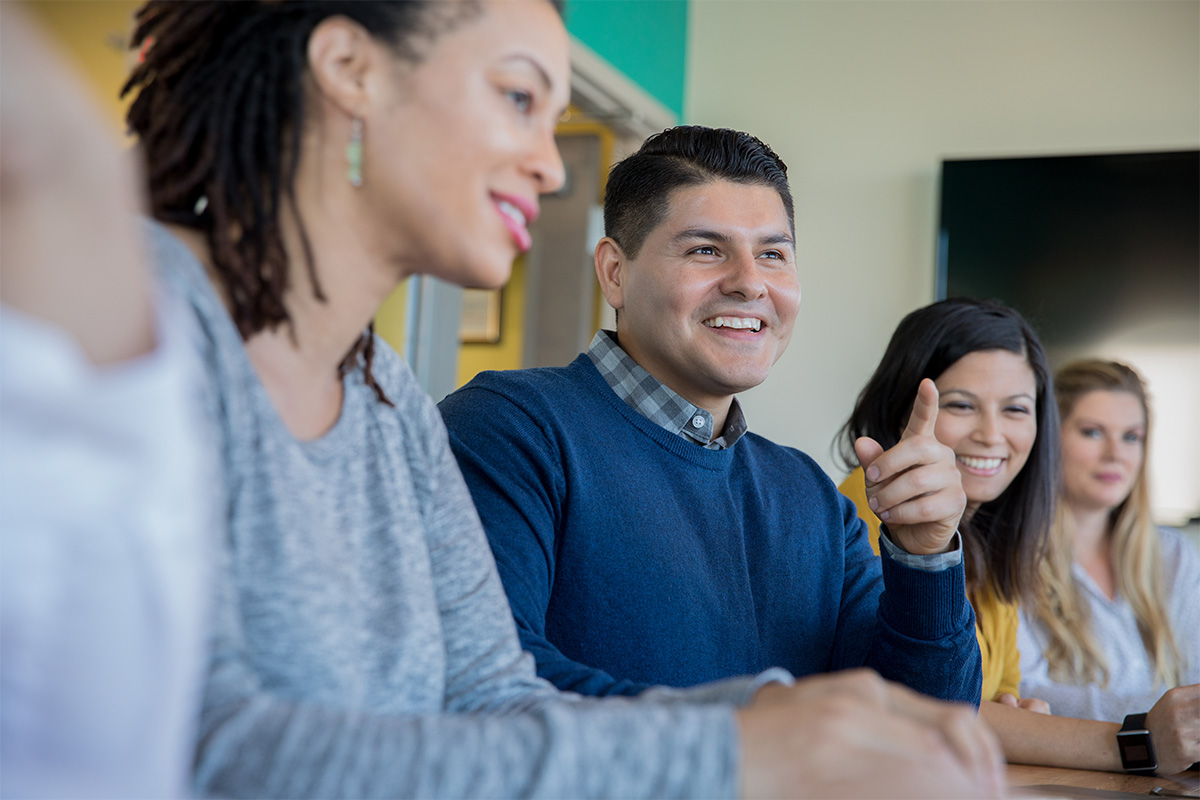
1115	620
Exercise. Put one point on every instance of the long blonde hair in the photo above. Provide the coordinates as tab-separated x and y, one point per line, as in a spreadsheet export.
1059	605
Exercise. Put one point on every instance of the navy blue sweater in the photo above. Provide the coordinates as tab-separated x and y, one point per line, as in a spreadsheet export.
633	557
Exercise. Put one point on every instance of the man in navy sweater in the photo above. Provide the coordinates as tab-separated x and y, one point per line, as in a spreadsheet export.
643	534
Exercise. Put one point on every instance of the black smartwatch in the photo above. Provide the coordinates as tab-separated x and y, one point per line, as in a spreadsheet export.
1137	751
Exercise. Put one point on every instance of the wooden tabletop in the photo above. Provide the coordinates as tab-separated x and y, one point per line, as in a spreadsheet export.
1028	781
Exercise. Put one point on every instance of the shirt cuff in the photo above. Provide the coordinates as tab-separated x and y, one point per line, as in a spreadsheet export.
737	691
934	562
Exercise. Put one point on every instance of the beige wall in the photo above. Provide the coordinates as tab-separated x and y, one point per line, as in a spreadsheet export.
863	99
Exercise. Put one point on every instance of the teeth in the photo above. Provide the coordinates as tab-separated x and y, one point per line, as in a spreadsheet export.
512	212
981	463
741	323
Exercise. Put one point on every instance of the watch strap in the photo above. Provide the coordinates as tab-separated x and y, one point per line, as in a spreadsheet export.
1134	722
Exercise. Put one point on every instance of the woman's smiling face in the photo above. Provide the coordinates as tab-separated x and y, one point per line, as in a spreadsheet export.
460	145
988	416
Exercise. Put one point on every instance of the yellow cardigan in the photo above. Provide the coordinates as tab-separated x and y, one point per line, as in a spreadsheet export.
995	620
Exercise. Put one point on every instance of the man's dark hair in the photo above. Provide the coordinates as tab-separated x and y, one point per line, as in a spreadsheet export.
639	189
1005	539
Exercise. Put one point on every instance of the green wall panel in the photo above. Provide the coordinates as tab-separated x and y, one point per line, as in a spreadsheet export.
645	39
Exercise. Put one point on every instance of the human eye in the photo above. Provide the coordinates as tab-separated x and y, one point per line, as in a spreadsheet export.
957	405
521	99
1090	432
704	250
1018	409
1133	437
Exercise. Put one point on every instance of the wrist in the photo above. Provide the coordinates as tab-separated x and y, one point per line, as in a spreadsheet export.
905	545
1136	747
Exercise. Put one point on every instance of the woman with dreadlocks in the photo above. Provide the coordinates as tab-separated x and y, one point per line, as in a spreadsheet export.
303	159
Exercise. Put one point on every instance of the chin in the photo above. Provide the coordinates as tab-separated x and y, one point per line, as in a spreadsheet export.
483	275
985	494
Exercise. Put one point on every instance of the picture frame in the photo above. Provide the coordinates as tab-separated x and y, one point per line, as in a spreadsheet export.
480	321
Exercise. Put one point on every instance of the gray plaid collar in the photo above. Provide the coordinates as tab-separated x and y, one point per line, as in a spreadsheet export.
642	392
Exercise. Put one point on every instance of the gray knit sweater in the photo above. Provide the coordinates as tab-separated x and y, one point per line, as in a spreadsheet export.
363	645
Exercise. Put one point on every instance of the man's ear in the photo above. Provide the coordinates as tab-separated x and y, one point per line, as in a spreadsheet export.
340	55
610	271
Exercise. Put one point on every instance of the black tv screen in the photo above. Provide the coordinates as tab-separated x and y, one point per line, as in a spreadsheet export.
1102	254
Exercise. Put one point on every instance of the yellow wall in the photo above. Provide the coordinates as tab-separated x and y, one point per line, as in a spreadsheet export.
93	36
474	358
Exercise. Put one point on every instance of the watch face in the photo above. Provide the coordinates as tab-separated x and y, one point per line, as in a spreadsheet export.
1137	753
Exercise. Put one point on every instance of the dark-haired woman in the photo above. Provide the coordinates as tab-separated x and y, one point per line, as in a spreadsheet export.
304	158
997	412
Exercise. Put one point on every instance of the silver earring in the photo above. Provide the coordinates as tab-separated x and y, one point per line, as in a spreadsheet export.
354	154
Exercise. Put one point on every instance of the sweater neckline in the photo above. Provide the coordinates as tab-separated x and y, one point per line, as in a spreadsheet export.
204	296
673	443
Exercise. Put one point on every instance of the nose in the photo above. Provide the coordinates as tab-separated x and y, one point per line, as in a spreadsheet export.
743	278
1111	448
545	163
989	430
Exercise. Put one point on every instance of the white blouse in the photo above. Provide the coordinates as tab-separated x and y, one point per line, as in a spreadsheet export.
1131	687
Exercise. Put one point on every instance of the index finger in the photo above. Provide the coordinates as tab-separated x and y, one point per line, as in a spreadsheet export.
925	411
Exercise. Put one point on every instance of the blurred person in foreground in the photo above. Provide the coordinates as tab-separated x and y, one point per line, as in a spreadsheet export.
103	500
303	159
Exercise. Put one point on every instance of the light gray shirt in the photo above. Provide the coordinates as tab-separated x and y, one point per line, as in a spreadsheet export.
363	643
1131	687
104	556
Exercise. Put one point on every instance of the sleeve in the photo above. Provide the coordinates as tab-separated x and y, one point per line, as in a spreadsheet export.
919	631
517	481
104	570
854	487
502	733
1181	557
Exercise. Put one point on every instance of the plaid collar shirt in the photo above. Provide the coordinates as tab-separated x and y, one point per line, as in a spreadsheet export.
642	392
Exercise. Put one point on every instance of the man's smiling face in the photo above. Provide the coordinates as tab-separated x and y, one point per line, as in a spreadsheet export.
708	305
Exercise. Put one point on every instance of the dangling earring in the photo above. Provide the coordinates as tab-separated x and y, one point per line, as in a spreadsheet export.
354	154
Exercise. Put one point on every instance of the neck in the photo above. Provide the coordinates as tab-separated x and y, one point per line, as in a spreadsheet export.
1091	529
717	405
298	362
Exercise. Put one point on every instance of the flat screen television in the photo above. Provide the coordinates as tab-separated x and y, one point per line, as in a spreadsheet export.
1102	254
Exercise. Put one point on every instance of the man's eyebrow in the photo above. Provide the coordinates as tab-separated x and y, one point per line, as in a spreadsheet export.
777	238
707	234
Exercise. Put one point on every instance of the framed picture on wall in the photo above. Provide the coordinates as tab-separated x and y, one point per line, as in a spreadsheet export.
480	322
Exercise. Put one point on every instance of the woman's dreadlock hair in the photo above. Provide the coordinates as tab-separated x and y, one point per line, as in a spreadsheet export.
219	111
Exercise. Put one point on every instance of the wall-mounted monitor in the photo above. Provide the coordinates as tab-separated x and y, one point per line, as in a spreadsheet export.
1102	254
